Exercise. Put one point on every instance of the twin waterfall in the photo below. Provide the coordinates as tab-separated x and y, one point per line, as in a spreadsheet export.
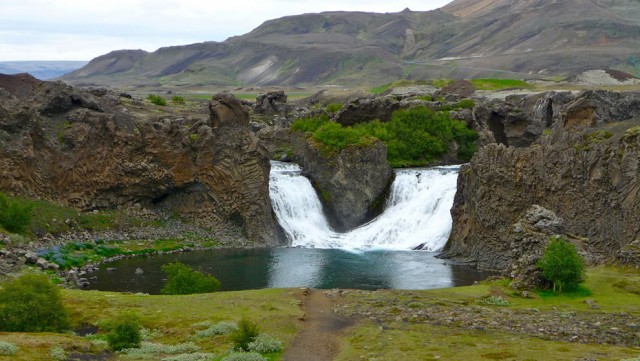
415	215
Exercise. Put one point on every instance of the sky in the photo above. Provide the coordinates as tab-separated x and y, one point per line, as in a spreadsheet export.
85	29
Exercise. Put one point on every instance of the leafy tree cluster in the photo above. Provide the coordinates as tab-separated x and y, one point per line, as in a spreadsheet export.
31	303
414	137
125	332
15	215
562	265
184	280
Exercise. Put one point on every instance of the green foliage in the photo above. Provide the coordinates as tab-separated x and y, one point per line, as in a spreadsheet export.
414	137
125	332
336	137
334	107
184	280
7	348
15	215
464	104
561	265
310	124
494	301
245	334
176	99
498	84
244	356
221	328
265	344
57	353
157	99
31	303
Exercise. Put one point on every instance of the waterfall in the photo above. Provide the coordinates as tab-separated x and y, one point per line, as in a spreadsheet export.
416	213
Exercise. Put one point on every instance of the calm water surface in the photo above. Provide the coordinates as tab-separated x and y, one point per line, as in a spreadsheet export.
244	269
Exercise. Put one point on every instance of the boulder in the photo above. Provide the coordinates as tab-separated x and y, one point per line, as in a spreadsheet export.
362	110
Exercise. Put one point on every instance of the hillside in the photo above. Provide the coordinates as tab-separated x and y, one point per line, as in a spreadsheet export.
466	38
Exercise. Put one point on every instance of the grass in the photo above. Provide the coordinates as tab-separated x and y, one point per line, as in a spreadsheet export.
500	84
277	311
614	290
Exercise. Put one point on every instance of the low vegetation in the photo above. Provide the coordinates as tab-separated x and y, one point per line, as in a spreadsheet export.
15	215
500	84
414	137
157	100
125	332
245	334
31	303
184	280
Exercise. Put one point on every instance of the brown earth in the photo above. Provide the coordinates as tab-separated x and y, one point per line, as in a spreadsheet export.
321	332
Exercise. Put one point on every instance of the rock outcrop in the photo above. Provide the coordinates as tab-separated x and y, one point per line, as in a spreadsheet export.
352	183
103	151
586	171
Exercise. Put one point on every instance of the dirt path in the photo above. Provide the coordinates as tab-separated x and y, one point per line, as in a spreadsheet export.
319	339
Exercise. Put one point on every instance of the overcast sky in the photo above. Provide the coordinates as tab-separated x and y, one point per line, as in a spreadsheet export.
85	29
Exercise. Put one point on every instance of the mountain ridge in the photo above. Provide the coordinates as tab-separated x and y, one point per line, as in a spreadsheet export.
532	37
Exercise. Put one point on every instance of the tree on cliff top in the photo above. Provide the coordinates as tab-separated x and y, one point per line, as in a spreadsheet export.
562	265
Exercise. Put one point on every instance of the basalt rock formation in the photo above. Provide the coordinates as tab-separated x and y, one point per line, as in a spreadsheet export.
352	183
99	150
585	169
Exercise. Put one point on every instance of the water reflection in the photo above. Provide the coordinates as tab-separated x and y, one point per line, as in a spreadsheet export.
240	269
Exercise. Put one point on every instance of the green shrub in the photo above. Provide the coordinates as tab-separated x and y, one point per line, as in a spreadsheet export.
336	137
221	328
31	303
125	332
184	280
562	265
196	356
57	353
265	344
334	107
157	99
245	334
244	356
15	215
176	99
7	348
465	104
310	124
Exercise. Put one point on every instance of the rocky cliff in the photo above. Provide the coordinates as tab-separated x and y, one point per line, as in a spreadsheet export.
100	150
585	168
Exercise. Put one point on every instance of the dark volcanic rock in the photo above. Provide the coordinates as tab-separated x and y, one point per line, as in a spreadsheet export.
89	152
362	110
587	172
352	183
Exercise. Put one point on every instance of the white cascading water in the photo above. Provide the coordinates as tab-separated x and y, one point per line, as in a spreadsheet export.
416	214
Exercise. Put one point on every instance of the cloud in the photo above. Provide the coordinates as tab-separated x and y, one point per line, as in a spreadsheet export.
82	30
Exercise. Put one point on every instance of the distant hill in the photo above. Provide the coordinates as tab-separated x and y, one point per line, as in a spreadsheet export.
43	70
467	38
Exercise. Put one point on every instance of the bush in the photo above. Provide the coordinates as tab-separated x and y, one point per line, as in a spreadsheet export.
157	100
562	265
57	353
125	332
221	328
176	99
244	356
245	334
15	215
334	107
7	348
414	137
31	303
265	344
184	280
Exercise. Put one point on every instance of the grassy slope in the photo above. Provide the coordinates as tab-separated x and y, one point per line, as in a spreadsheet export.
277	311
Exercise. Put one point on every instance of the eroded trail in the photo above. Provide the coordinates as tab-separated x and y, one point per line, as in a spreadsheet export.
322	329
